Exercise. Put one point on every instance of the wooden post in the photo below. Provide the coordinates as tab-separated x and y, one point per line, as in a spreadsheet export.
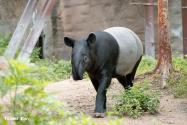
164	63
149	29
36	30
18	35
184	24
149	26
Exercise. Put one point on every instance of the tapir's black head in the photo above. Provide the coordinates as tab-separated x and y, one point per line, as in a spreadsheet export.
81	54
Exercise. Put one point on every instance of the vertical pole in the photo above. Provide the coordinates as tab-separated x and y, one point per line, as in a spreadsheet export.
149	29
184	24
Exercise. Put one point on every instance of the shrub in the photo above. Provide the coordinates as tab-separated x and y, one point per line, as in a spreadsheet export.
137	100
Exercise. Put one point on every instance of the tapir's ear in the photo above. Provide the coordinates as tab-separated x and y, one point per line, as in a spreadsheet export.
69	41
91	39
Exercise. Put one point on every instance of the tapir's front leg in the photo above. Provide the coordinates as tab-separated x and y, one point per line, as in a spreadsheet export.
100	108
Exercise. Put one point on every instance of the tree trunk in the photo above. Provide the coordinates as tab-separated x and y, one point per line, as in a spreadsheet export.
164	63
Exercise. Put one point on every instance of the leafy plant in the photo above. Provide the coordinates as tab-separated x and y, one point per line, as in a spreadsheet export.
29	101
137	100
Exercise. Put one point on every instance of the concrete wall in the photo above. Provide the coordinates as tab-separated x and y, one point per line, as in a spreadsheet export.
53	32
84	16
175	19
10	11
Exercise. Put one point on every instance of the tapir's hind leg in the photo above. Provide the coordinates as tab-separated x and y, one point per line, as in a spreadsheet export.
126	81
123	81
130	77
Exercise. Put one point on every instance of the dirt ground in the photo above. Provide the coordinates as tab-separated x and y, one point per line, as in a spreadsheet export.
80	97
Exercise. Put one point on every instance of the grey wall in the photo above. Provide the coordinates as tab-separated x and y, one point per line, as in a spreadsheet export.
10	11
77	18
84	16
175	19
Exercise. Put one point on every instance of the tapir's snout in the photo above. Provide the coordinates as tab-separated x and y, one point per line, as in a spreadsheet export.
77	77
77	74
79	59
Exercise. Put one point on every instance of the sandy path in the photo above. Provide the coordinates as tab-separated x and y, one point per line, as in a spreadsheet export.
80	97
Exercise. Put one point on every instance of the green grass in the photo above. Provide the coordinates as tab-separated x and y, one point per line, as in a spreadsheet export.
3	43
60	69
54	70
178	79
147	64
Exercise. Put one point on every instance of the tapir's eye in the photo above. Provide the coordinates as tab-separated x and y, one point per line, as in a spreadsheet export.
85	58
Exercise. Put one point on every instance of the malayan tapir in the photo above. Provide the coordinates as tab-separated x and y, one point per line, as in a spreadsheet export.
113	53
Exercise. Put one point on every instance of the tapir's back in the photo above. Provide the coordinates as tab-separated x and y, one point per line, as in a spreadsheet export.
130	48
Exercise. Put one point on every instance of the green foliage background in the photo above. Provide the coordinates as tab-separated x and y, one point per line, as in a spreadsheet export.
3	43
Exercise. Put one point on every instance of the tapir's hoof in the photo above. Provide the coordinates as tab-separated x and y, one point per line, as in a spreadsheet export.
99	115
